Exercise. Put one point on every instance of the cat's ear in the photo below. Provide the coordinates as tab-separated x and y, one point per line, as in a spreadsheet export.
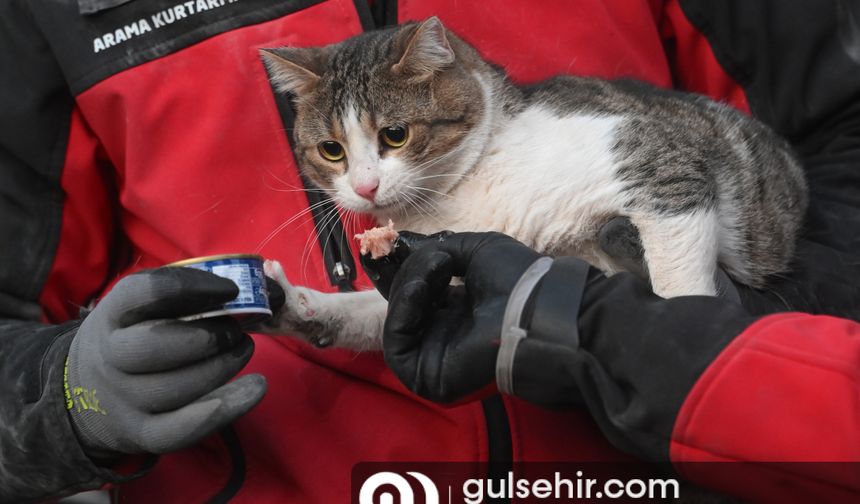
294	69
426	52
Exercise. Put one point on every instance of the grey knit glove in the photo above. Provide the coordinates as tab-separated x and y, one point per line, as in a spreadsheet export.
140	381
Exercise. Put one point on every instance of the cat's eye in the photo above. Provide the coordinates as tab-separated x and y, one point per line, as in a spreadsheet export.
330	150
394	136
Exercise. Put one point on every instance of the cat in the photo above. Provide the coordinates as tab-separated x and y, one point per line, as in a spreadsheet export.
411	124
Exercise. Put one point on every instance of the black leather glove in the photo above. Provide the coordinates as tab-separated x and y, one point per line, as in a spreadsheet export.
610	344
442	340
382	270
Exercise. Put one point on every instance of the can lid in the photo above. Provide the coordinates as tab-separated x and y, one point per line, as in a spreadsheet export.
195	260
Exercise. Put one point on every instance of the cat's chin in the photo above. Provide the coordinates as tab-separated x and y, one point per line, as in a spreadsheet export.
374	209
392	210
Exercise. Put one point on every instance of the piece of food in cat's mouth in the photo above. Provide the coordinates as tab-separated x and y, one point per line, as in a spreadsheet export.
379	241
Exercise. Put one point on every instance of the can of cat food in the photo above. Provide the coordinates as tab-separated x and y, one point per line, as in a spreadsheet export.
246	271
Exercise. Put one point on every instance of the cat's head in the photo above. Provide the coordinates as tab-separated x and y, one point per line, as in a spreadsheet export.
387	119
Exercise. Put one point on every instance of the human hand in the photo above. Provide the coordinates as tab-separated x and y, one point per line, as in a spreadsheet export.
140	381
606	343
442	340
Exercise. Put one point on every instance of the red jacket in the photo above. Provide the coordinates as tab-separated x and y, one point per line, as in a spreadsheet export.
179	151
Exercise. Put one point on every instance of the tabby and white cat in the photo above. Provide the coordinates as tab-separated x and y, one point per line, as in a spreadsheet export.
410	124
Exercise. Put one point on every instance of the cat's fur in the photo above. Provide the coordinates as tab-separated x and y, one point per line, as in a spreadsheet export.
547	164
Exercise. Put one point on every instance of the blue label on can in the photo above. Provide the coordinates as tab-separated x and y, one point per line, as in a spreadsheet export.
247	273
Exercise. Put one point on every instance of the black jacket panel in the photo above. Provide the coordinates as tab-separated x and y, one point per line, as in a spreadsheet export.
799	64
34	423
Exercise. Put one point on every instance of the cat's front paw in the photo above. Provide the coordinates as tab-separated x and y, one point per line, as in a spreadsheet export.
301	314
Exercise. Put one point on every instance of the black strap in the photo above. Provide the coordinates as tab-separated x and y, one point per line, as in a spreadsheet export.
237	475
499	442
556	303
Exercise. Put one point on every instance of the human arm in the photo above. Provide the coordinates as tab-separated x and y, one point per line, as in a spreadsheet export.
128	379
678	380
40	453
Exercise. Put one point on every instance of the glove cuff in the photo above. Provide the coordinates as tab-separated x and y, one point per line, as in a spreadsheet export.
83	406
544	305
512	333
554	314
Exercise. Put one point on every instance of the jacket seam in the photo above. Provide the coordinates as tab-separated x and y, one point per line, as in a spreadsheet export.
54	224
729	65
43	373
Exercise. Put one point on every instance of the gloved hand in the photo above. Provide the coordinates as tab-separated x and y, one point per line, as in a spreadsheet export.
140	381
610	344
382	270
442	340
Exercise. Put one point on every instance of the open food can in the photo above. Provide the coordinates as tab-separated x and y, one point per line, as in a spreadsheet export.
246	271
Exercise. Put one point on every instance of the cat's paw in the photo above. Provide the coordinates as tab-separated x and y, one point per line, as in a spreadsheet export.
301	313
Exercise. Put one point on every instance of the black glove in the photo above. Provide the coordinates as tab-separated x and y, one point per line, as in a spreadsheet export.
628	355
140	381
382	270
442	340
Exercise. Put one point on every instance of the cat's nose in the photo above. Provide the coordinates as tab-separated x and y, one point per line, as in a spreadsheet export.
367	190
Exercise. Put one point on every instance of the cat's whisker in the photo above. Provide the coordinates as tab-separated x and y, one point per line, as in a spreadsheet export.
421	202
427	198
426	202
333	215
440	193
336	215
318	191
307	250
438	159
410	201
353	224
275	189
432	162
287	184
433	214
416	199
326	219
284	224
439	175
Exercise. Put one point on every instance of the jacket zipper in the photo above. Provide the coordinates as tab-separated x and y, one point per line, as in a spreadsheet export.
331	236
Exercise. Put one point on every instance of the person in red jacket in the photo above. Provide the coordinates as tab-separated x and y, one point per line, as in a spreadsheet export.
135	134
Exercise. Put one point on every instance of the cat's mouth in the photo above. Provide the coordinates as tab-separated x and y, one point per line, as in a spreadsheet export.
385	206
368	206
392	202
